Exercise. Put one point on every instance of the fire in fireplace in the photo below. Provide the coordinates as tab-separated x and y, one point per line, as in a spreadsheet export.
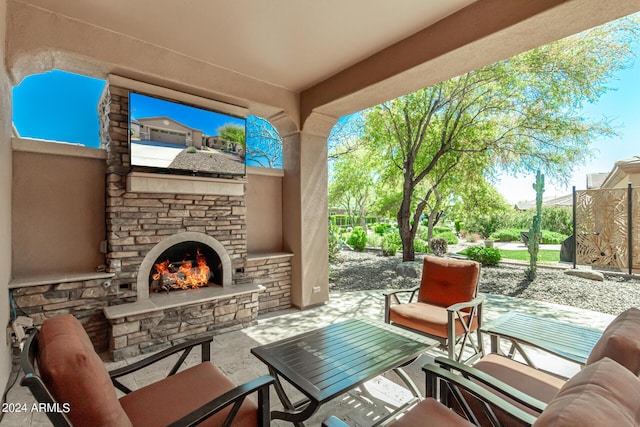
186	265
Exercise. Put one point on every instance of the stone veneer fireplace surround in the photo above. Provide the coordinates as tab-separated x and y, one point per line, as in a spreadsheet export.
148	213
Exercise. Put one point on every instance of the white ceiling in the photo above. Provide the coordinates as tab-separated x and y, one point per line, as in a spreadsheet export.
300	42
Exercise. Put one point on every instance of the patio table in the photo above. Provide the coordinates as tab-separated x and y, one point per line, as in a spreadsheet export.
567	340
327	362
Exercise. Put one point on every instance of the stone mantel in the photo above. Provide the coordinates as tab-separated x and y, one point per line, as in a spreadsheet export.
178	299
142	182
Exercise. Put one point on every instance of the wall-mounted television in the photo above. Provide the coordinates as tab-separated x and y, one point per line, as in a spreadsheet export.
174	137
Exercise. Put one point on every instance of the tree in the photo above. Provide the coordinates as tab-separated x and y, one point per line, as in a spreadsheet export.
520	114
232	133
264	145
352	184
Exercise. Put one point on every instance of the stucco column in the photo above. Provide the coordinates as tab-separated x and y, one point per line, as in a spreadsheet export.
305	220
5	200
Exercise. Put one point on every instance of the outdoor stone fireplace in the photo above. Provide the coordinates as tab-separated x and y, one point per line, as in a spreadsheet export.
152	216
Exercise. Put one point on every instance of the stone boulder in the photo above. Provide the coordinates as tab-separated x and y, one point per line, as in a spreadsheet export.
409	269
586	274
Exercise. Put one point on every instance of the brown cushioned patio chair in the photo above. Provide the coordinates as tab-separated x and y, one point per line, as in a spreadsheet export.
604	393
63	371
447	307
531	389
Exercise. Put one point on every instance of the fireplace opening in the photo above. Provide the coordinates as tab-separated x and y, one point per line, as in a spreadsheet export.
186	265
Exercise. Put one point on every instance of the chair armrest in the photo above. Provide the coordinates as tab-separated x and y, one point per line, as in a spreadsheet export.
493	383
394	294
456	383
334	421
467	304
235	396
187	346
400	291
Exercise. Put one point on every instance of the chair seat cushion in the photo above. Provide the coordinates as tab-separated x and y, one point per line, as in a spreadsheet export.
170	399
535	383
620	341
433	413
428	318
602	394
74	373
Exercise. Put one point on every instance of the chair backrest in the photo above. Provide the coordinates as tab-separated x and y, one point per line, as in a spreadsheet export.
72	374
447	281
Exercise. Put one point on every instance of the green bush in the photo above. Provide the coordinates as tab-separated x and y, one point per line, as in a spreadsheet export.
191	150
552	238
485	256
358	239
554	218
382	228
485	225
441	229
506	235
334	243
449	236
458	224
420	246
390	244
438	245
513	235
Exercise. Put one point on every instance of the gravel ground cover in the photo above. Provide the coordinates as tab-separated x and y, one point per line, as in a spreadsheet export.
213	161
357	271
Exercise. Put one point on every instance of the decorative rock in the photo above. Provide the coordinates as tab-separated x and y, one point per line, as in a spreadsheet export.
586	274
408	269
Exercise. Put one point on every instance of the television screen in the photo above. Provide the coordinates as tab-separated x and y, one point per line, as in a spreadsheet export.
177	137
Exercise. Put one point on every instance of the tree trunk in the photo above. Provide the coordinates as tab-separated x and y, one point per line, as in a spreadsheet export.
404	226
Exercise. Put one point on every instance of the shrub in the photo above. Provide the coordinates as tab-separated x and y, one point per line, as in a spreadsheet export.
554	218
513	235
506	235
458	224
334	243
358	239
390	244
485	225
382	228
485	256
441	229
449	236
439	245
420	246
191	150
552	238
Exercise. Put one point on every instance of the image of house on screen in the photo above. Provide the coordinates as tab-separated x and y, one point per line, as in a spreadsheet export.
166	130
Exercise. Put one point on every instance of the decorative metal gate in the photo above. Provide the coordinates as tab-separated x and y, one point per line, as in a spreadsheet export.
607	228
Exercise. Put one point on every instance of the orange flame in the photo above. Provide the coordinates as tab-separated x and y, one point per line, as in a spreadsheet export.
186	277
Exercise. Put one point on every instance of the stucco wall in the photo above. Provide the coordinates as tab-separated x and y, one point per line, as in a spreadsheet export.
264	210
5	201
64	213
58	209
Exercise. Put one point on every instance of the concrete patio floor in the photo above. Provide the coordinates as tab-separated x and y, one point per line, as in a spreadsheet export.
360	407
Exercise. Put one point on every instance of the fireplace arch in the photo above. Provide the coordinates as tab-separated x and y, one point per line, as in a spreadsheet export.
142	283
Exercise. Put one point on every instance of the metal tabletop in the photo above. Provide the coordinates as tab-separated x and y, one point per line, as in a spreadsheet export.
567	340
329	361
